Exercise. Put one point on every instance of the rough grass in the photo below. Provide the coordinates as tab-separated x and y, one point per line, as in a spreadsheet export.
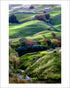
46	68
29	58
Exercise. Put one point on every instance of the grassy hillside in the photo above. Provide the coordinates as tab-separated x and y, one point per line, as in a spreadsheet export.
27	29
23	17
43	66
56	17
47	34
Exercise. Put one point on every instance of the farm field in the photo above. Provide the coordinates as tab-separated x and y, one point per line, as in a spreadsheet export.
34	43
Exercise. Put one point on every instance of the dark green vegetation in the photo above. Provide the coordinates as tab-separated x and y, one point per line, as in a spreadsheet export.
34	45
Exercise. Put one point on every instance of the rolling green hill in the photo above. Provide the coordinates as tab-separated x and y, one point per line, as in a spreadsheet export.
23	17
27	29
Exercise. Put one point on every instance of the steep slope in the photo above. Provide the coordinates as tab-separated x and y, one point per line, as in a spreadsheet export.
43	66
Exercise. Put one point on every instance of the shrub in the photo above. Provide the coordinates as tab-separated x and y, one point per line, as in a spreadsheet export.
21	50
48	41
38	48
29	49
53	34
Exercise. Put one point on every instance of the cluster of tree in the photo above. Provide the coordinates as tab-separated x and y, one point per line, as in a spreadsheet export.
43	17
27	45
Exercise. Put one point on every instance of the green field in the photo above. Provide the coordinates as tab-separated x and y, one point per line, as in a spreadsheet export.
28	28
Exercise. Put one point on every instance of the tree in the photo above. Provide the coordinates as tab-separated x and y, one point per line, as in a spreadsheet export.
47	16
13	19
23	42
53	34
31	7
21	50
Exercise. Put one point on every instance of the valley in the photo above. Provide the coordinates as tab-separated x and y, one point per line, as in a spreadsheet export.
35	43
